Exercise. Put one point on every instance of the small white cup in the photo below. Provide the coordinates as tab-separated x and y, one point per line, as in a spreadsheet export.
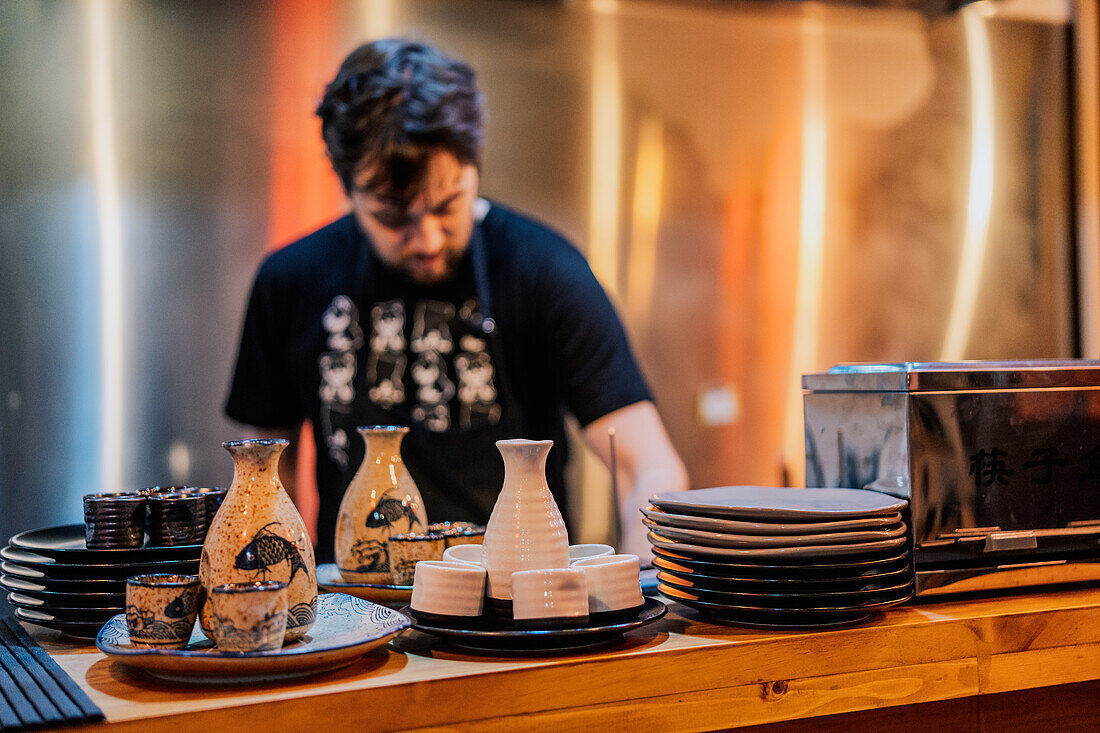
593	549
553	595
613	582
474	554
448	588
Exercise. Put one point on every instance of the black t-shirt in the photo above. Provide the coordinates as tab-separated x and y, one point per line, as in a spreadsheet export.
522	334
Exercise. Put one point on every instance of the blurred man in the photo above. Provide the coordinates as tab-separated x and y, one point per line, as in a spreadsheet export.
432	308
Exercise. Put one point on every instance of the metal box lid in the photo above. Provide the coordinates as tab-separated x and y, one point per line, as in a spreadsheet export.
916	376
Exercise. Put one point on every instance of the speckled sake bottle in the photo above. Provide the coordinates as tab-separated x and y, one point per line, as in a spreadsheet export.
525	530
259	535
381	500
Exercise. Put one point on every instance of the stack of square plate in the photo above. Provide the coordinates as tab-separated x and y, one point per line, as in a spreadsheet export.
55	581
782	558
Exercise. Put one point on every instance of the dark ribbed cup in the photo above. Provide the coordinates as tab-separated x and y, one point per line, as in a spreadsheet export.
176	519
114	520
213	496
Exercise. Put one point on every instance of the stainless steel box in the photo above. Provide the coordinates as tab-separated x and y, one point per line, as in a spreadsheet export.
1000	462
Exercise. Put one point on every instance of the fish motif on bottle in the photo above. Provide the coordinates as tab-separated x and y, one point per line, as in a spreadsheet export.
388	511
267	550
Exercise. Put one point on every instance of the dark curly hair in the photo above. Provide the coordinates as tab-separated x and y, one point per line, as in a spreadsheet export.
393	103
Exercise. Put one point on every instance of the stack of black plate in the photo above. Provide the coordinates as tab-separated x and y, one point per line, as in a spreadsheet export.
782	558
55	581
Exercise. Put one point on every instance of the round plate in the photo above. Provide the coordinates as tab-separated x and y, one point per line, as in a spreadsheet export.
61	585
78	629
780	617
73	615
46	567
793	600
544	640
815	551
782	585
776	504
329	578
346	628
788	568
776	529
76	600
717	539
65	543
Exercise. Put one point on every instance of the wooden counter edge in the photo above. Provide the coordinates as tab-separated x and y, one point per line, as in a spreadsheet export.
937	658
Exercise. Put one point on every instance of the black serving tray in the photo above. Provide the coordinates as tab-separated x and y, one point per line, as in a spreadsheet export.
489	635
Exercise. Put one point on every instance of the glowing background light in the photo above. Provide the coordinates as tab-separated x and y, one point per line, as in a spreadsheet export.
605	161
811	234
645	221
605	151
980	187
108	216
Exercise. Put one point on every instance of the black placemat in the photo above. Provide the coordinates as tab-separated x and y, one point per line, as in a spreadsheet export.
36	692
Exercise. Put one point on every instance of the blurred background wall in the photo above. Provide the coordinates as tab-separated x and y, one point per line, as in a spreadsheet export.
765	189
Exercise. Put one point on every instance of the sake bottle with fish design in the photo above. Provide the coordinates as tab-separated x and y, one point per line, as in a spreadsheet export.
381	500
258	534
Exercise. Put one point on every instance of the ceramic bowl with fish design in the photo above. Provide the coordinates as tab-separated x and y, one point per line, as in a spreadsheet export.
249	617
161	609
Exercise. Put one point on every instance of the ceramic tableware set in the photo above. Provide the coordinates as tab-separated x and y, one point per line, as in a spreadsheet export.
382	529
72	578
526	588
56	580
771	557
255	595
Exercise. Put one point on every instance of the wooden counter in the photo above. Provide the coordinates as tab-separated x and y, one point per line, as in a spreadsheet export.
946	661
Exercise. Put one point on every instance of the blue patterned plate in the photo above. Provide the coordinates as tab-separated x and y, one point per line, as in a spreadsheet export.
329	578
346	629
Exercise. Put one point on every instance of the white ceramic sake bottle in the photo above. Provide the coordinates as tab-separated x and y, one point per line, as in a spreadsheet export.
381	500
526	530
258	534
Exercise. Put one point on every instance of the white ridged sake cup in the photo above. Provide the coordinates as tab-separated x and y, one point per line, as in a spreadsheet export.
549	597
474	554
444	588
613	582
591	549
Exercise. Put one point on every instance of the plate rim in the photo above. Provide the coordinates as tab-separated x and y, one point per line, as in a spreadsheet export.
779	581
6	567
75	609
214	658
746	542
404	622
370	586
776	552
49	562
805	566
669	497
6	582
865	591
776	528
18	541
872	607
21	612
